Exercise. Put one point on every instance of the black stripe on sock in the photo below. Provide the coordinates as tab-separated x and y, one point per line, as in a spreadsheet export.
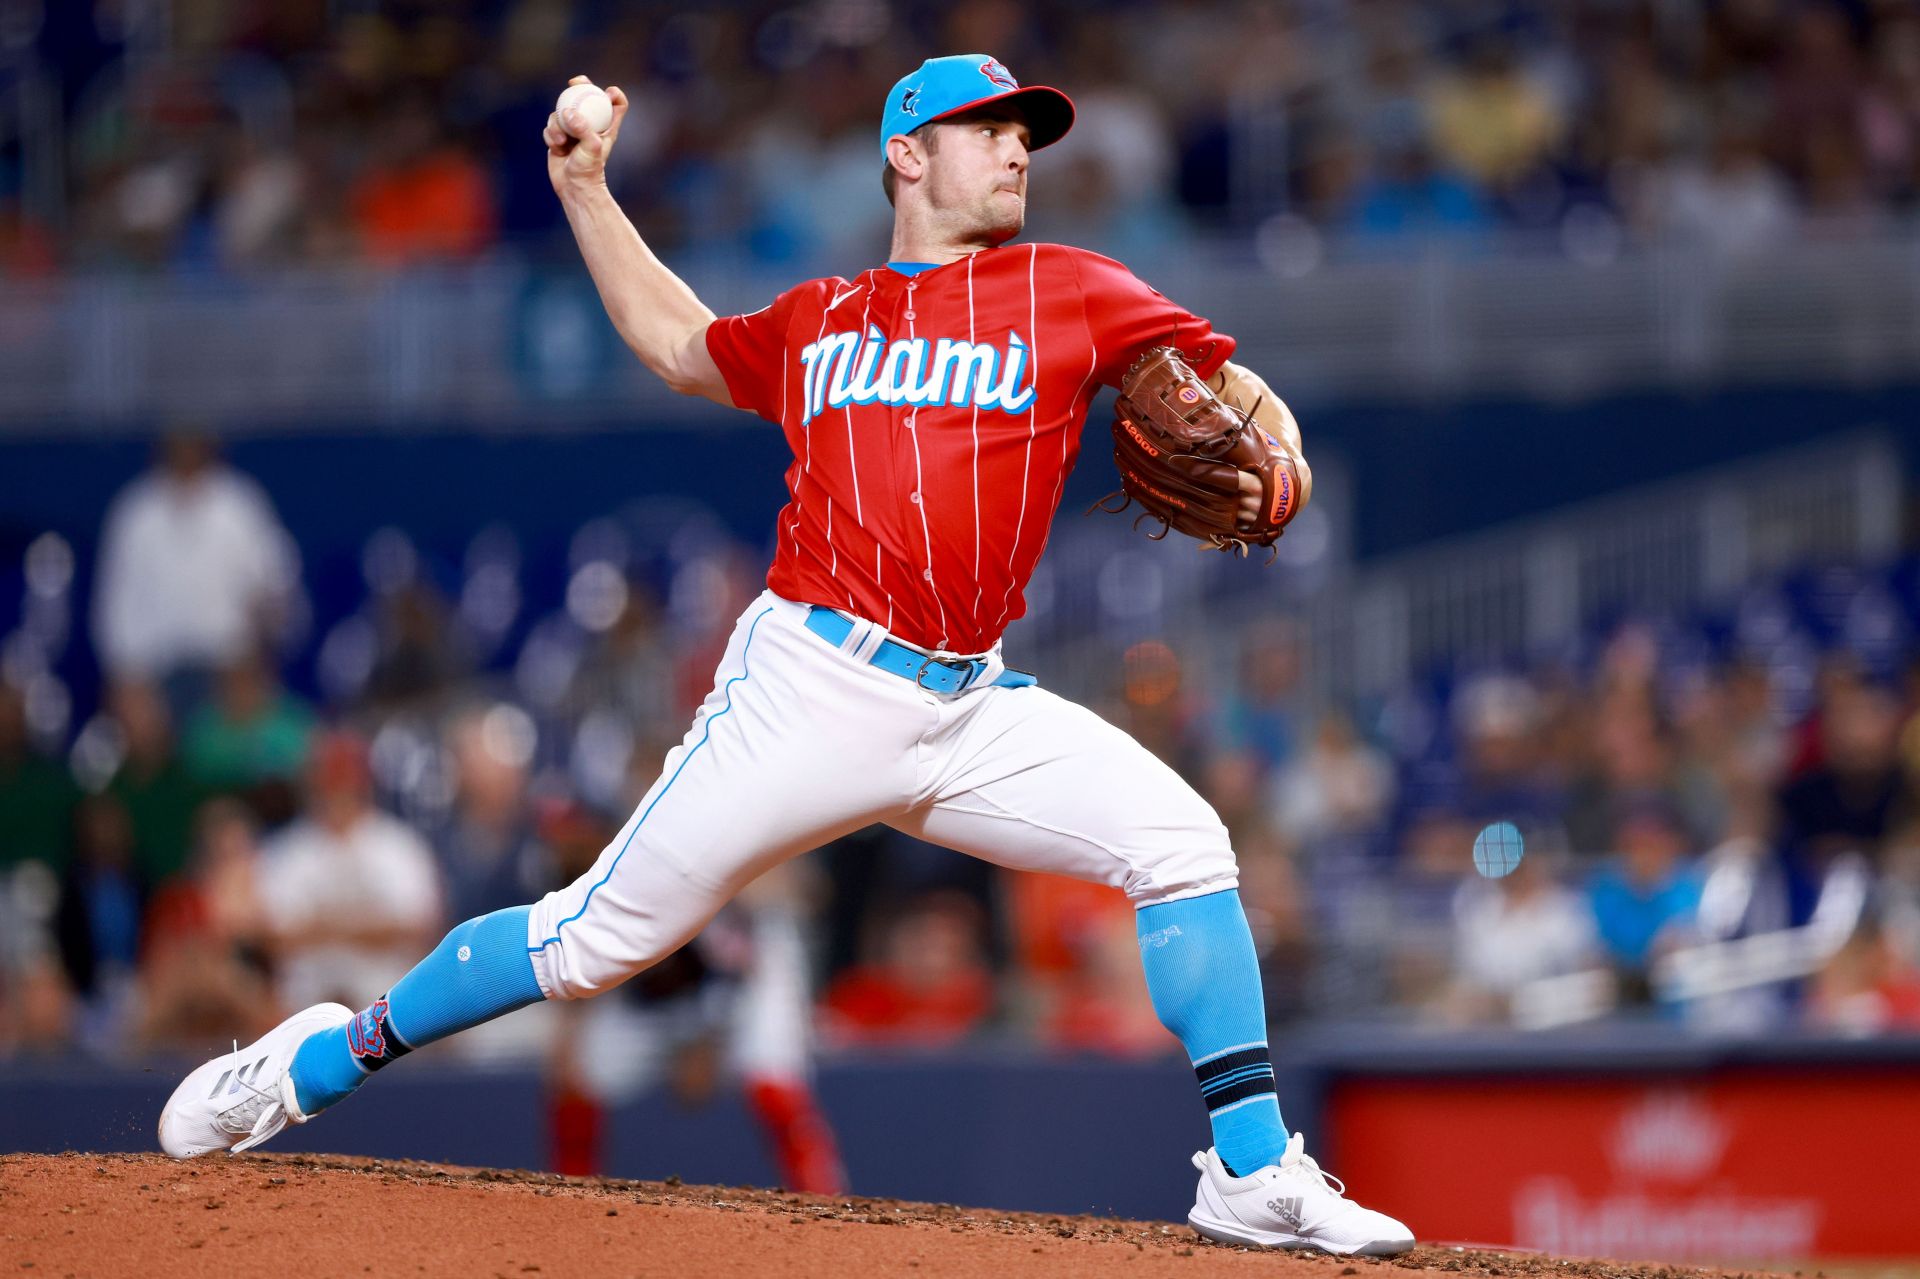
397	1046
1231	1081
1255	1056
1240	1092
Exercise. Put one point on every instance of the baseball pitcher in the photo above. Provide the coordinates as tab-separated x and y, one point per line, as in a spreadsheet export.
933	404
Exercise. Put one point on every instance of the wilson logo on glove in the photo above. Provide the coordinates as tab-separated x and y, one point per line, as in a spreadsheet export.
1282	508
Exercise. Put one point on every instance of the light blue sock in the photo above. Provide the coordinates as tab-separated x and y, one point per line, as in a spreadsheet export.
1205	983
480	971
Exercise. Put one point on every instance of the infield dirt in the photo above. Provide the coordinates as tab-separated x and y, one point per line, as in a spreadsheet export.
78	1215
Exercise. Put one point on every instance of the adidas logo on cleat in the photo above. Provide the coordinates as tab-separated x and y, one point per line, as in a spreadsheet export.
1288	1210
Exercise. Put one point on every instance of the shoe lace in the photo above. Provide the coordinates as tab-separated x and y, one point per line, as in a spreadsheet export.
250	1114
1326	1179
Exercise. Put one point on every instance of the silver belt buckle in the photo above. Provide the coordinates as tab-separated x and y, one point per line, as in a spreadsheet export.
919	674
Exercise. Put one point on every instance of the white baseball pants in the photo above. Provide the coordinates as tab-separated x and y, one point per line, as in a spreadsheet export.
801	742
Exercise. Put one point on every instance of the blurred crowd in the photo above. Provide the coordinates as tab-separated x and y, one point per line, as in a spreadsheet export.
208	846
238	134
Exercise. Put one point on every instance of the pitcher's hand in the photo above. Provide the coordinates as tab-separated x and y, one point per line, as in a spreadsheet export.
581	162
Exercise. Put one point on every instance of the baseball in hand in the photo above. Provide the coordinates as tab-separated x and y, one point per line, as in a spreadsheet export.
593	104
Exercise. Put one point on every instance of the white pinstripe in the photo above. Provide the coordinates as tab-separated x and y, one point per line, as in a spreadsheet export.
806	463
853	455
1033	413
1073	424
919	487
979	588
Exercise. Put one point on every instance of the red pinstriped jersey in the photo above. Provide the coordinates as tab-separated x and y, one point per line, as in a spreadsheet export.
933	420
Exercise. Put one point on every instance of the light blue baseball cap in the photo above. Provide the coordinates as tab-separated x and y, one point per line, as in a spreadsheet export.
941	87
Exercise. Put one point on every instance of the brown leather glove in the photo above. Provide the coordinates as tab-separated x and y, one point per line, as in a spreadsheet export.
1181	450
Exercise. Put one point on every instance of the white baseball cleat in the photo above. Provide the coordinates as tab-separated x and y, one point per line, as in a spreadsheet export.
239	1099
1290	1205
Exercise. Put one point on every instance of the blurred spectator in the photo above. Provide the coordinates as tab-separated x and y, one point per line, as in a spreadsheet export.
36	794
195	570
489	850
1871	987
251	739
350	893
1716	771
1499	719
420	654
1629	759
1648	896
813	172
1856	795
1279	914
1235	782
928	984
1158	708
102	900
1735	204
151	783
1415	928
1108	181
1490	118
1081	205
856	867
1819	92
1643	111
1757	746
629	668
1512	931
1891	119
1407	197
1262	713
1079	953
35	1006
260	196
1389	114
412	135
422	198
1339	786
206	969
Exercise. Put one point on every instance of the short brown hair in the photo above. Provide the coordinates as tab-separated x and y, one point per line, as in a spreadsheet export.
888	178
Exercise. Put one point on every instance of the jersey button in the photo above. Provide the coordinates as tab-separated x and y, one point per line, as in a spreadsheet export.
912	316
927	573
914	497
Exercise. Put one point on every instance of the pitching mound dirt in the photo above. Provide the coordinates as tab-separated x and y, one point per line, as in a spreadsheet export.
86	1215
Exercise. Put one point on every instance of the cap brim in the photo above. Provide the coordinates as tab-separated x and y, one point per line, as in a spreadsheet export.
1047	111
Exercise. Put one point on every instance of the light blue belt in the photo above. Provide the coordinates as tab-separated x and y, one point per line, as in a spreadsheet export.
935	674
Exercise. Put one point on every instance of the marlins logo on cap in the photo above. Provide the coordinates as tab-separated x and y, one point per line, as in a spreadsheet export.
943	87
993	71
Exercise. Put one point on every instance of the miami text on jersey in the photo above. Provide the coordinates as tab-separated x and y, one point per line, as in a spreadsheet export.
843	368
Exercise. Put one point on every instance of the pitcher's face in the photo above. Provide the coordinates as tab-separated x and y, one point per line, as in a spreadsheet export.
977	175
